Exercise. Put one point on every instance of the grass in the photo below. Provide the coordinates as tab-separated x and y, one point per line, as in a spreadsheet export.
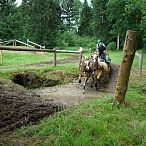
100	122
20	58
69	68
116	57
94	122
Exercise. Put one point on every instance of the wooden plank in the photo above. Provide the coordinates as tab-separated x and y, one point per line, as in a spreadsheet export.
28	41
9	48
23	43
67	51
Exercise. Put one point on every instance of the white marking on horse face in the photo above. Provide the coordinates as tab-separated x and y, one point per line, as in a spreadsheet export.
94	56
94	60
87	67
87	64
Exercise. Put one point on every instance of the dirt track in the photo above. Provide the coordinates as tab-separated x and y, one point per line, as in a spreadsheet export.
19	107
73	93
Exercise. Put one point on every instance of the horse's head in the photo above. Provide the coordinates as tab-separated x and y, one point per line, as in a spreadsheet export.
86	64
94	61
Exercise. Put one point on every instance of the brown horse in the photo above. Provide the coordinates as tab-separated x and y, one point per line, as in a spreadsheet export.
85	71
99	69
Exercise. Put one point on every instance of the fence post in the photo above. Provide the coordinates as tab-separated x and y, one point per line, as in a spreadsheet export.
80	57
140	64
15	42
1	56
27	43
125	67
54	61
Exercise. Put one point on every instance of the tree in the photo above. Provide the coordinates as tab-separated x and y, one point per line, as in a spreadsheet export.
42	21
101	22
10	22
86	20
116	16
133	14
70	13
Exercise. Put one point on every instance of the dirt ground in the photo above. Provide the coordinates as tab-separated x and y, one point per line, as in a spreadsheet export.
19	107
73	93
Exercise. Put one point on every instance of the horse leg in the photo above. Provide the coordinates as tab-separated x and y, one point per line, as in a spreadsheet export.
106	77
86	79
97	75
80	77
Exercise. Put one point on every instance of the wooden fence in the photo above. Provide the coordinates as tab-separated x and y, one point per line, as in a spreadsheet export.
55	51
35	44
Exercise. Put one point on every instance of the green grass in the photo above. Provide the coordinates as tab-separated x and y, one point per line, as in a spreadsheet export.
94	122
69	68
19	58
116	57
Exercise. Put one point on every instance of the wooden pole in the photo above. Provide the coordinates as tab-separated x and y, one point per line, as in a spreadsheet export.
54	61
118	42
15	42
1	56
80	57
140	64
125	67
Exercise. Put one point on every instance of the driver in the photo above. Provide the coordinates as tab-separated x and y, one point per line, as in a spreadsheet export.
101	49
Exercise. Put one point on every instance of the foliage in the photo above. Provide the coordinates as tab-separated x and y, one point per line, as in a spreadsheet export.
10	20
42	19
111	46
56	22
86	20
68	39
92	46
124	15
101	22
70	13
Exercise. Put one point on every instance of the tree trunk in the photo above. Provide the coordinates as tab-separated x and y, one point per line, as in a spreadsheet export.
125	67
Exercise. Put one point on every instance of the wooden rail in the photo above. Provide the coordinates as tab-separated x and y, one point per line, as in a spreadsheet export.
13	48
14	42
41	47
17	41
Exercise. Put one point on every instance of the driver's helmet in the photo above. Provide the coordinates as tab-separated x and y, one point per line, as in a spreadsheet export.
98	41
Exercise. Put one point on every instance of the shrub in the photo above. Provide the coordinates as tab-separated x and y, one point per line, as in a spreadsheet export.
92	46
111	46
68	39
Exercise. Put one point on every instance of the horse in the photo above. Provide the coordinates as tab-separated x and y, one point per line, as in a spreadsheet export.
85	71
99	69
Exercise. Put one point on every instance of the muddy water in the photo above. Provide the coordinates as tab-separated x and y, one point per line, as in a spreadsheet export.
70	93
73	94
